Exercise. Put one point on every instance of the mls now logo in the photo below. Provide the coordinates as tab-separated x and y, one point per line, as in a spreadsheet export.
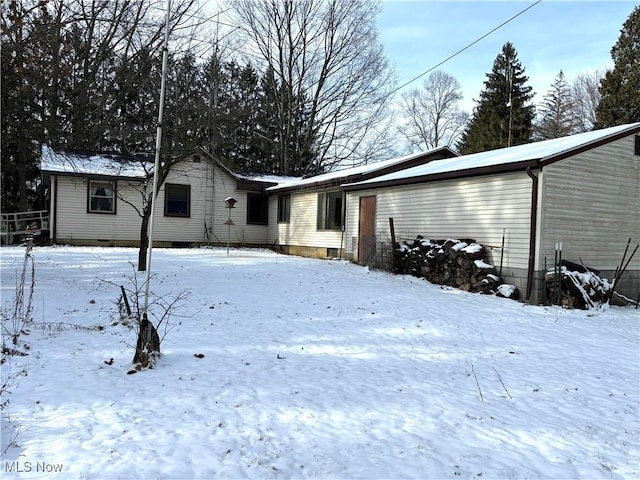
37	467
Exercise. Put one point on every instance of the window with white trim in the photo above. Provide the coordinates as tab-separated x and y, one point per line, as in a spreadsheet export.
284	208
101	197
330	211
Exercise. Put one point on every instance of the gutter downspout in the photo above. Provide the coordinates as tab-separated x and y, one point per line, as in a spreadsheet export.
532	232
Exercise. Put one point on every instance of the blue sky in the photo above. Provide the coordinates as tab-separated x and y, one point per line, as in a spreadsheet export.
575	36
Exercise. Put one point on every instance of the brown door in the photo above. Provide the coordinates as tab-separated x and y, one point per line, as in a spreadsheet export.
367	231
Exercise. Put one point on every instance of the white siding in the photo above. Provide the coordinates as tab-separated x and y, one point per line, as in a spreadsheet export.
192	229
210	186
478	208
592	204
74	222
302	228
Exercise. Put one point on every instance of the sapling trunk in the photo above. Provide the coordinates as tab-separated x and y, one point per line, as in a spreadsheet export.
148	344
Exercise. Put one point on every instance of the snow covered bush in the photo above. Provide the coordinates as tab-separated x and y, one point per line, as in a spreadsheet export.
575	286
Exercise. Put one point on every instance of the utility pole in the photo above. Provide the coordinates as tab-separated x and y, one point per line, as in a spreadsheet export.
510	102
156	168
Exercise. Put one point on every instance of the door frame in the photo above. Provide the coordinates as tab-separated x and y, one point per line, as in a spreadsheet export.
366	228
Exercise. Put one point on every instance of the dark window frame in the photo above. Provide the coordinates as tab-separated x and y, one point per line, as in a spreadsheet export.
330	211
170	203
257	209
637	145
284	208
96	202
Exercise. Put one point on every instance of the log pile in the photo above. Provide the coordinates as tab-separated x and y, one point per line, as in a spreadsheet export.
457	263
576	286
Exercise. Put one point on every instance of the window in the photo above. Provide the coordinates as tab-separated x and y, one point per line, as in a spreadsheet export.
330	214
177	200
102	197
257	209
637	146
284	207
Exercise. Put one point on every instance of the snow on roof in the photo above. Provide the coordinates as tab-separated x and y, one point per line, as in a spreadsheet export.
93	164
115	165
504	156
266	178
348	172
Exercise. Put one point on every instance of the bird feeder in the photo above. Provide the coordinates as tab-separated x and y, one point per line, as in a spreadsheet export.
231	202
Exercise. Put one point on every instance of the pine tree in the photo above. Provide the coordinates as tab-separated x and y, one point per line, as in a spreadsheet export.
503	116
245	142
556	111
135	89
21	57
620	88
184	129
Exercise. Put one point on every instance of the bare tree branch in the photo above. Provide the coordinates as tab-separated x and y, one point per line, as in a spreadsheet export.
433	118
585	91
329	71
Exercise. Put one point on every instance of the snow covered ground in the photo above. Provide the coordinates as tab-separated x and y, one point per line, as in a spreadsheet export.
313	369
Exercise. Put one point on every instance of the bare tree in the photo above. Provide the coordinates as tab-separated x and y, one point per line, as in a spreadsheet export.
433	117
144	207
328	76
585	91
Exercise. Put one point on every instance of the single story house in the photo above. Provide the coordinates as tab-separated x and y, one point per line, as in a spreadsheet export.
97	199
311	211
582	190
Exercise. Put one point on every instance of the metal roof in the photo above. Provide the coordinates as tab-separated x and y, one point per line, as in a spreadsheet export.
362	172
501	160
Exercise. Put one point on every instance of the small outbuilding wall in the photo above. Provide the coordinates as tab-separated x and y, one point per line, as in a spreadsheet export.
482	208
582	190
591	203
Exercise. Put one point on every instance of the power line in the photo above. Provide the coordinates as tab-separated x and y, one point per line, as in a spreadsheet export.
465	48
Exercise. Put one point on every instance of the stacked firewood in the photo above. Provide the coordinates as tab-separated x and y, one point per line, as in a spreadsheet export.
457	263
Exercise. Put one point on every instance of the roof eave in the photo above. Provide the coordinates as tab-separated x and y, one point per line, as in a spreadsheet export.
452	175
438	154
94	175
588	146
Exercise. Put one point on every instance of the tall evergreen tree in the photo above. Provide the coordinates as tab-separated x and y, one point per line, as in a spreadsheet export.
136	89
620	88
240	109
184	99
21	90
75	74
504	115
556	111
